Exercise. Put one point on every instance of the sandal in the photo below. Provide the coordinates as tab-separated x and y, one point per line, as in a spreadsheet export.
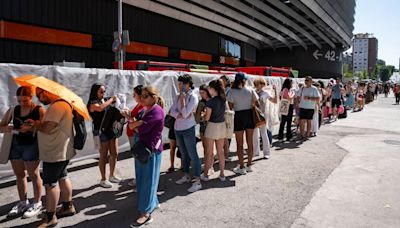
147	222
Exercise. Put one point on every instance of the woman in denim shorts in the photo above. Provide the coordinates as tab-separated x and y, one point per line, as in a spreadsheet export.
24	154
97	105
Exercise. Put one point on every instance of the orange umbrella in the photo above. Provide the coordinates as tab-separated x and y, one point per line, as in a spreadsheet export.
57	89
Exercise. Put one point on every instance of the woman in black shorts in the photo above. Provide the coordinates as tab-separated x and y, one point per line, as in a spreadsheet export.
241	99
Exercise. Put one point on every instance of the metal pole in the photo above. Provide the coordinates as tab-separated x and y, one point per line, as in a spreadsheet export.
121	51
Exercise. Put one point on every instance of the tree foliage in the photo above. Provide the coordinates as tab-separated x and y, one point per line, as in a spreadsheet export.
385	74
391	69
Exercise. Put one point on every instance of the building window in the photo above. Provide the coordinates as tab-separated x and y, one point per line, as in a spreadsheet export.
229	48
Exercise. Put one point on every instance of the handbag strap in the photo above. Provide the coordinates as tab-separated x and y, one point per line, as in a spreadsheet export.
102	121
158	145
12	114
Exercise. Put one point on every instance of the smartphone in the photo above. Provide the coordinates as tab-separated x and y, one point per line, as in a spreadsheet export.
184	89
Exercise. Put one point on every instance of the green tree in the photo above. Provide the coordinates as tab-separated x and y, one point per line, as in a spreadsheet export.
375	73
364	74
391	69
348	75
385	74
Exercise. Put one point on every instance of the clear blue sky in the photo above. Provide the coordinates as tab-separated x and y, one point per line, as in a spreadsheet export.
382	18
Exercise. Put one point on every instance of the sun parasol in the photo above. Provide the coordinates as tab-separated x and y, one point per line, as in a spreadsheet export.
57	89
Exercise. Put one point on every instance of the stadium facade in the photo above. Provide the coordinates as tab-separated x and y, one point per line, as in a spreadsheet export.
307	35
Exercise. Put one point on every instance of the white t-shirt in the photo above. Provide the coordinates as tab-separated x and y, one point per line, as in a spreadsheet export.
263	98
308	92
242	99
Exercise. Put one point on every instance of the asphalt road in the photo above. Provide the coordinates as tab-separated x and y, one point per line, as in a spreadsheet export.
347	176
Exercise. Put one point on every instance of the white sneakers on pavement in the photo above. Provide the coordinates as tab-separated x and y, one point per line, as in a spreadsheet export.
196	186
248	169
196	183
204	177
240	171
19	208
114	179
33	210
184	179
106	184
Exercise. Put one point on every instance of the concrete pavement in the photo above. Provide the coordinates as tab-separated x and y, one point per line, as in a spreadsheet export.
345	177
363	191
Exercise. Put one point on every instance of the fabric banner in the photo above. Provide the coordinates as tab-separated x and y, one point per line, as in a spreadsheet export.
80	81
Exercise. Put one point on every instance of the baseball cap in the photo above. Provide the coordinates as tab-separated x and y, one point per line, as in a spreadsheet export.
240	76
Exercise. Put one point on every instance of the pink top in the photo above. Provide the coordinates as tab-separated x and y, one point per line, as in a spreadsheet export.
285	95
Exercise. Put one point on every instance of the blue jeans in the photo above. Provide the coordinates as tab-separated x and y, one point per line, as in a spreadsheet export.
147	178
269	133
186	141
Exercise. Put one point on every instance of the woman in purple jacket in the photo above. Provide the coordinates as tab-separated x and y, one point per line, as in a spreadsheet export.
150	134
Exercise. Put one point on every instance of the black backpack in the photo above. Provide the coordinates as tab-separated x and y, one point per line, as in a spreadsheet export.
79	127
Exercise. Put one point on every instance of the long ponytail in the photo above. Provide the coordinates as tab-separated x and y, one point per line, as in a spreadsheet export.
217	85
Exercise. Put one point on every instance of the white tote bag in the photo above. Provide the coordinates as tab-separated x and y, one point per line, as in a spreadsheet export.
284	107
6	143
229	123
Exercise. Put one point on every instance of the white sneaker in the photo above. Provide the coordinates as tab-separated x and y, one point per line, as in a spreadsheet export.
240	171
184	179
211	171
266	156
222	178
248	169
33	210
114	179
19	208
106	184
132	183
229	159
196	186
204	177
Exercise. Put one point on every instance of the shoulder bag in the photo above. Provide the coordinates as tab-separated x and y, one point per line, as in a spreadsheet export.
6	143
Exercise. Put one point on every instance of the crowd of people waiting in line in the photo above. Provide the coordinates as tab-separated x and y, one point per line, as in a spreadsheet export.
224	109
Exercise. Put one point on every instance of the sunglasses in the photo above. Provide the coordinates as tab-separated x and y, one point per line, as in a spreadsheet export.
102	92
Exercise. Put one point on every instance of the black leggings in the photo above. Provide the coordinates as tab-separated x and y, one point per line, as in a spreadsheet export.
286	120
397	98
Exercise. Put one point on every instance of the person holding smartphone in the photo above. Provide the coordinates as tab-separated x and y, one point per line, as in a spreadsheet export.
24	154
183	109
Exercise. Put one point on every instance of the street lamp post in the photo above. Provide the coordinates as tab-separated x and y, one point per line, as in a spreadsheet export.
121	50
